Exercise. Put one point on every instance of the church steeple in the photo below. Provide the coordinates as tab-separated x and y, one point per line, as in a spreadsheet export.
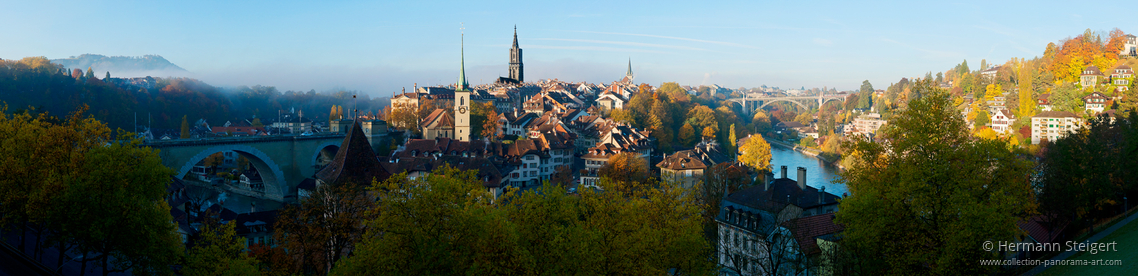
629	67
462	84
515	36
462	108
516	67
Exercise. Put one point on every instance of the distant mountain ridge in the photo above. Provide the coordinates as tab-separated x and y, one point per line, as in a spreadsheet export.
123	66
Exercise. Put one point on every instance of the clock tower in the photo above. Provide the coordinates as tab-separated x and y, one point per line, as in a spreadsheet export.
462	103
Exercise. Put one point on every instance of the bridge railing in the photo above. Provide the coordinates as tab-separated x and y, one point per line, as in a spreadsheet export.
243	139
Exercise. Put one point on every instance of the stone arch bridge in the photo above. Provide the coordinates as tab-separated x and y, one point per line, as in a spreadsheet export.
751	102
283	161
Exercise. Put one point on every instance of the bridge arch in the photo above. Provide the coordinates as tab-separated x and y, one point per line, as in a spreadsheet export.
826	100
768	102
328	148
271	173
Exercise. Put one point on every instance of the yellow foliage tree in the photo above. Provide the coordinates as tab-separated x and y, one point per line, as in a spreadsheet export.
756	153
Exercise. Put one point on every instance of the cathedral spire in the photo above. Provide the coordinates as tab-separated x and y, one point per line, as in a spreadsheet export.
515	36
462	84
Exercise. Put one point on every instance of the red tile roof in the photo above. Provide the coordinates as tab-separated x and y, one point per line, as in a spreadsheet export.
807	229
1037	229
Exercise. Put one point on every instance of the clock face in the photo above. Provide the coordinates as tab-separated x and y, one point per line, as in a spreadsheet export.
462	109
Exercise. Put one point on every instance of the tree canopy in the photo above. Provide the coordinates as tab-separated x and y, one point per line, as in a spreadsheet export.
941	191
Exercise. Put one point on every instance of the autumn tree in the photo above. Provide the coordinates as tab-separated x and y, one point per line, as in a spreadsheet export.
703	118
931	177
324	227
90	73
674	92
719	181
1025	78
625	170
732	139
426	106
491	127
214	160
756	153
405	118
687	135
185	128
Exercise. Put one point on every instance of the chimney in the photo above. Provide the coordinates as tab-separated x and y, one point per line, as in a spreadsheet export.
783	171
802	178
821	194
767	180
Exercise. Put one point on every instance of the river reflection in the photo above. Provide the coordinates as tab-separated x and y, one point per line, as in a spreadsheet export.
818	173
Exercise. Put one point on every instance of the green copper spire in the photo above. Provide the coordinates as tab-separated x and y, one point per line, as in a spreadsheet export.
462	84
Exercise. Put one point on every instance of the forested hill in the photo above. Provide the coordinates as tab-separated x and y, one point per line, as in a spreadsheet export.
38	83
120	66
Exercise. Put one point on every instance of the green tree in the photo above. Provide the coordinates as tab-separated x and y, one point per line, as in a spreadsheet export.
257	123
1084	175
438	224
982	118
808	142
446	223
129	228
185	128
1067	97
865	95
108	75
761	122
756	153
941	191
90	73
219	251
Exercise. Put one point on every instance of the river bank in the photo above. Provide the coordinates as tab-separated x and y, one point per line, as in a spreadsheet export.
806	151
819	174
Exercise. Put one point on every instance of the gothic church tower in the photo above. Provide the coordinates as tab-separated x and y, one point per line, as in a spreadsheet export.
516	59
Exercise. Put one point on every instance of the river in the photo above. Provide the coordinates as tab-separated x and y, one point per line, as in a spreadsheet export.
818	173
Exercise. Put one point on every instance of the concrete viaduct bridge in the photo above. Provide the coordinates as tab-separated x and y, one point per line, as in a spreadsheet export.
283	161
754	101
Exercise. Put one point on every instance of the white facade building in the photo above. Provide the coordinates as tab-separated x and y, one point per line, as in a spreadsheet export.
1052	125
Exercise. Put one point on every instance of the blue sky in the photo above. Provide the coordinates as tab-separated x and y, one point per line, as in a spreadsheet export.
379	47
